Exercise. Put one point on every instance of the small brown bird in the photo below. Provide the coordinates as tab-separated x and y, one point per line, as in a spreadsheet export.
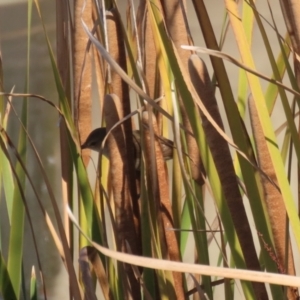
96	137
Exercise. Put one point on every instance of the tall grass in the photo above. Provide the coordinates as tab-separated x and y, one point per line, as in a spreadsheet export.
220	220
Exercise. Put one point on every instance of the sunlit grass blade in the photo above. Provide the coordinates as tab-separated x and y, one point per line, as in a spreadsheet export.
234	120
272	89
260	103
282	93
153	263
247	19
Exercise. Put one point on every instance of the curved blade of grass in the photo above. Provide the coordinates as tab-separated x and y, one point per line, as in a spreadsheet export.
250	70
161	264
